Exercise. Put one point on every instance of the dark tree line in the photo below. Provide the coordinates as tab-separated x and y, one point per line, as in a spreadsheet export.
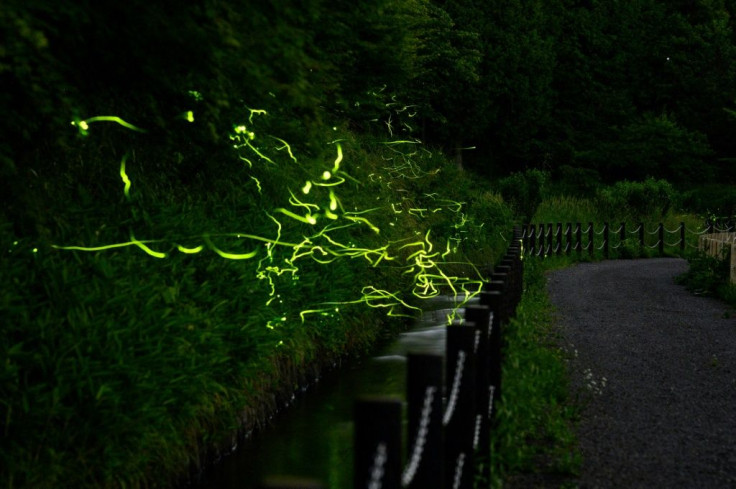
607	89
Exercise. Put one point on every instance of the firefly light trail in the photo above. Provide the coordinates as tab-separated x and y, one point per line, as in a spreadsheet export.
418	259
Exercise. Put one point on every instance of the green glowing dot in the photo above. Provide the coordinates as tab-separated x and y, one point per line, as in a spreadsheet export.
84	125
35	250
334	128
15	243
326	175
306	188
240	129
189	116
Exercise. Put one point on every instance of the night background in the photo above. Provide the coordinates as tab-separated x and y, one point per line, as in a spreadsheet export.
202	199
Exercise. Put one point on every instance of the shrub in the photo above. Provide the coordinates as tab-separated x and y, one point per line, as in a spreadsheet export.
524	190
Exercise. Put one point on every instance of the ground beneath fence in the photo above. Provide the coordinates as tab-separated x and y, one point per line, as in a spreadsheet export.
655	370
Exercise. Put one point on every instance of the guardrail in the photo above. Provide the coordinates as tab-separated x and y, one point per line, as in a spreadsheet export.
553	239
448	442
720	245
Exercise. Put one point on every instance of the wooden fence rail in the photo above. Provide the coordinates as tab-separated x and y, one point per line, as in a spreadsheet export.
448	445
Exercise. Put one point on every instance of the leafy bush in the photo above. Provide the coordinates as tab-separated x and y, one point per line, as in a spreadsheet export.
524	190
709	275
637	200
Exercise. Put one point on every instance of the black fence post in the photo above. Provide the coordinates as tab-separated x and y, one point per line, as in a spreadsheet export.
622	235
377	444
559	238
568	233
579	238
605	240
425	462
682	236
641	235
550	238
591	234
661	239
460	412
482	318
541	240
532	239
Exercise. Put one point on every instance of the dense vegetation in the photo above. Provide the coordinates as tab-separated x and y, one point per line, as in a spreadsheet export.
285	178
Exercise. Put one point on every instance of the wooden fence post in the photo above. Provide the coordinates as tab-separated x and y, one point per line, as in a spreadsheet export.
482	318
661	239
550	237
579	238
559	238
605	240
460	412
641	235
377	444
682	236
622	235
591	239
568	250
541	240
425	461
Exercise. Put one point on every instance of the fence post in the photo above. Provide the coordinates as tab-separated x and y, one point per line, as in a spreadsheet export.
482	318
559	238
579	238
493	299
425	461
661	239
605	240
541	240
460	413
532	239
641	235
290	483
682	236
591	234
550	236
622	236
377	444
569	238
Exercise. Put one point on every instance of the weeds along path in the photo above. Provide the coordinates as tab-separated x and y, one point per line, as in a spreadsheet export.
655	370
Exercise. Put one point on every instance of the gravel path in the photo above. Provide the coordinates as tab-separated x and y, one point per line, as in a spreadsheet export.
656	369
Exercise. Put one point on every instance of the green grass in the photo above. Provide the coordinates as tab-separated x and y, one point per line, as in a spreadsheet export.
536	417
120	368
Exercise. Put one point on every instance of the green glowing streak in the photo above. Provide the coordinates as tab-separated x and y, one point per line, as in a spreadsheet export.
363	220
336	168
258	184
307	188
229	256
124	176
298	203
141	245
84	124
190	251
285	146
255	112
308	219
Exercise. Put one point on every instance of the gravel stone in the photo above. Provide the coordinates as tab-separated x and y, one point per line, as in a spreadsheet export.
654	368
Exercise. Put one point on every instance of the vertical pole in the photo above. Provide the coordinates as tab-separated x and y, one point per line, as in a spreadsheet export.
481	317
550	235
591	234
459	418
532	239
661	239
579	238
559	238
541	240
569	238
682	236
641	234
605	240
425	444
377	444
622	236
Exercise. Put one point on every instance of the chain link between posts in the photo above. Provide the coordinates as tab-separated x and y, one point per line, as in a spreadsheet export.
416	454
455	391
377	471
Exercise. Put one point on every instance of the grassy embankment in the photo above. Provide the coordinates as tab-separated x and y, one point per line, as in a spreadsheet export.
123	365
